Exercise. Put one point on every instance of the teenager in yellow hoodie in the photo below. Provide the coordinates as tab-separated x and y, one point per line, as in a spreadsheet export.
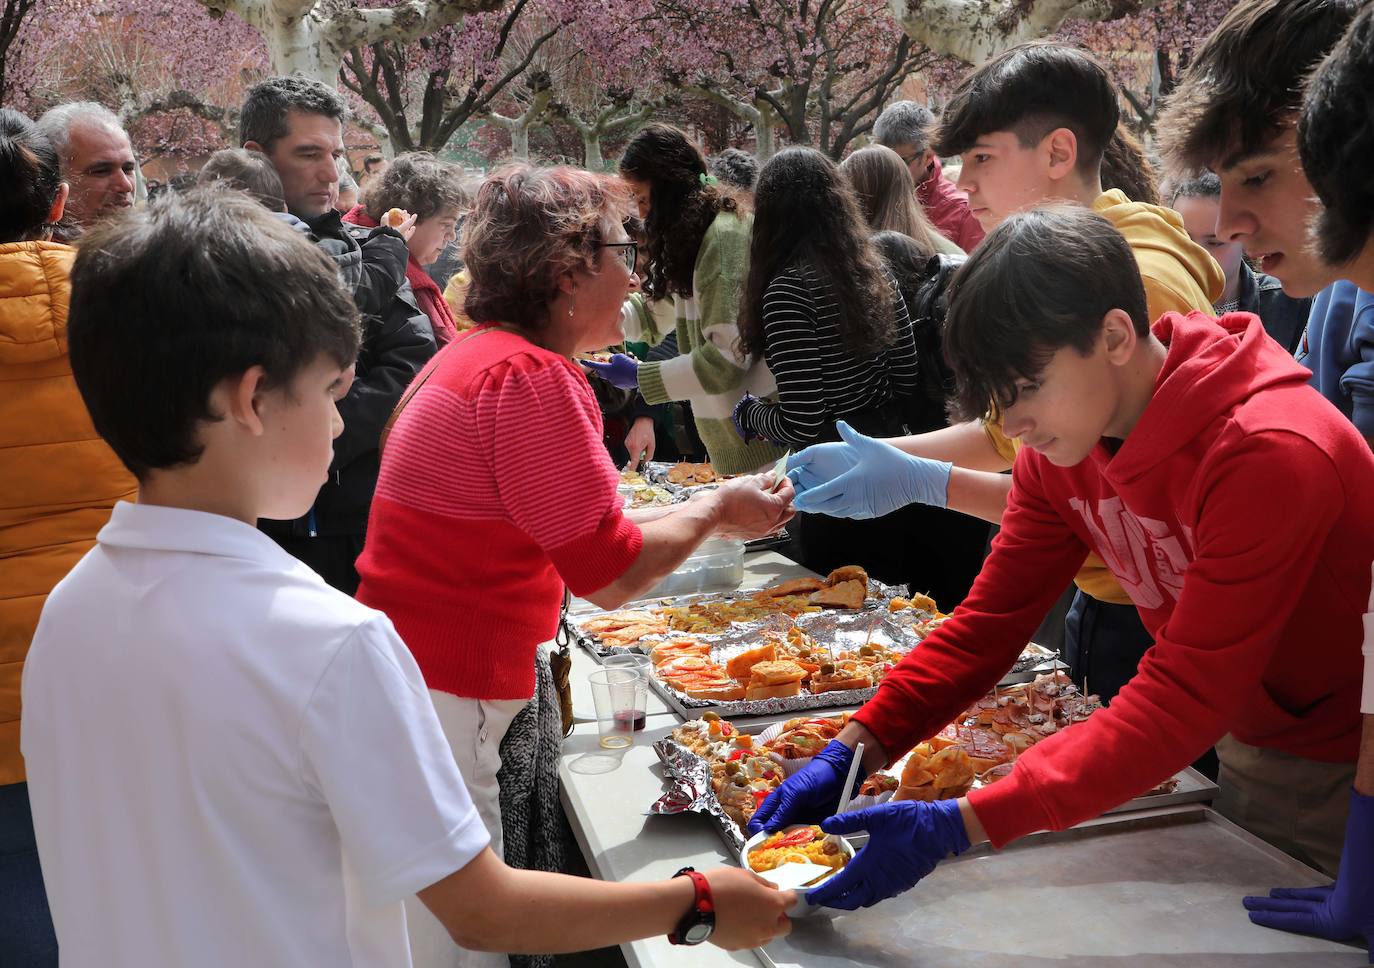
58	484
1031	126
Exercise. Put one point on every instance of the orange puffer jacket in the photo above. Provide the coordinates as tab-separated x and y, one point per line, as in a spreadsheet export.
58	479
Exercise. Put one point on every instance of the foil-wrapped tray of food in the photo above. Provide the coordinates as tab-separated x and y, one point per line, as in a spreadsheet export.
638	491
684	474
725	770
637	627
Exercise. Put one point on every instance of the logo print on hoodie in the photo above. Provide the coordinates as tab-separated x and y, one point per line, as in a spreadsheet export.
1142	553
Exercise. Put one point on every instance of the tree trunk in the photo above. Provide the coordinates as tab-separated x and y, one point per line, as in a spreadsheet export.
520	142
765	138
591	149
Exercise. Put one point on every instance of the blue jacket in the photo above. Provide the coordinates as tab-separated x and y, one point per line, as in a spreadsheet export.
1338	348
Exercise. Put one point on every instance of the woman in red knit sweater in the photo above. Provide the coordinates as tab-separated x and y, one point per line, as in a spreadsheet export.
495	491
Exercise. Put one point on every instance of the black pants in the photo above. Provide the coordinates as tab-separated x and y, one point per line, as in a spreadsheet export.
932	550
1103	645
333	557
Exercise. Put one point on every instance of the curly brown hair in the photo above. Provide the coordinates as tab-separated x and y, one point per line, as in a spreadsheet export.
529	227
419	183
683	202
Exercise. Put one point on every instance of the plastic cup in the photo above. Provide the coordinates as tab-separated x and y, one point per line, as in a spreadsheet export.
622	700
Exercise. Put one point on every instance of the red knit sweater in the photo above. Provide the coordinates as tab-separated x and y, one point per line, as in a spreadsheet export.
495	490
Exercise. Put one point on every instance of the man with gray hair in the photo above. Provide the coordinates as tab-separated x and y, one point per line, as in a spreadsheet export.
906	128
97	162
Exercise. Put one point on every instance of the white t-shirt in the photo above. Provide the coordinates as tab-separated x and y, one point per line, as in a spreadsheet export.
230	763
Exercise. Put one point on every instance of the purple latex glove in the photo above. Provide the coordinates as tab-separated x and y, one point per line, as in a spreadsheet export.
1339	911
906	839
746	434
622	371
809	794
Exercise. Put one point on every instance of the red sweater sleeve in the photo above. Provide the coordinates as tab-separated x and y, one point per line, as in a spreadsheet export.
1033	558
554	476
1265	511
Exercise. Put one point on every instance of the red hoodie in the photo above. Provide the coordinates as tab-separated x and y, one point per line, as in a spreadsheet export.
1237	517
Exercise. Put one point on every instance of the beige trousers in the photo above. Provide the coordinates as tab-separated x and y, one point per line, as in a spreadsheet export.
1296	804
474	728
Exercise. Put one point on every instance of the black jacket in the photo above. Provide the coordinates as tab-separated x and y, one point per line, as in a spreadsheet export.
1284	317
397	342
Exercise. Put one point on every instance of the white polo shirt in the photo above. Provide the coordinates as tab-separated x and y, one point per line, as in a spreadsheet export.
230	763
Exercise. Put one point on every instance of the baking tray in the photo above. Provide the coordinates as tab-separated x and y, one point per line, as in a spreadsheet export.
1159	889
690	791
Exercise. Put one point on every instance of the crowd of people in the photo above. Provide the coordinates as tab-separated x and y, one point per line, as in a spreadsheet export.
278	560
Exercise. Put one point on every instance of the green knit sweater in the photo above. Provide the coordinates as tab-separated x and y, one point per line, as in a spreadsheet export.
710	372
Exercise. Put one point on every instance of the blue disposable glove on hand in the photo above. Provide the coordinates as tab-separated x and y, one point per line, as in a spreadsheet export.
864	478
622	371
906	839
745	433
809	794
1339	911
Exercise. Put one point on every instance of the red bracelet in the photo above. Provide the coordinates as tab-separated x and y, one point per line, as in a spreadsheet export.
699	922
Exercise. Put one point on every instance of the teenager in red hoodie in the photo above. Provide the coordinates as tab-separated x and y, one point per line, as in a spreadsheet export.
1179	453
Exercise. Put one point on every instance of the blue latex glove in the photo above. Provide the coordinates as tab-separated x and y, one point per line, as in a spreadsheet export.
1339	911
906	840
622	371
811	793
864	478
745	433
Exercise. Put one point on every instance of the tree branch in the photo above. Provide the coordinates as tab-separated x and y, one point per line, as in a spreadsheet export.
402	23
976	30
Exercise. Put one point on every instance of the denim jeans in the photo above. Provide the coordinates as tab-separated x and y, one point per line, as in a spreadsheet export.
26	931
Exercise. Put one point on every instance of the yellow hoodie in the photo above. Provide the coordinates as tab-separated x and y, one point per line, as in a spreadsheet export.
58	479
1180	277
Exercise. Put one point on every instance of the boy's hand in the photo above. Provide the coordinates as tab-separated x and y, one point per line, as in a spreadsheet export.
751	508
865	478
809	794
640	442
750	912
906	840
1339	911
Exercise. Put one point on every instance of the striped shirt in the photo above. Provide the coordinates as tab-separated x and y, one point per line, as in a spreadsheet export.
495	491
819	378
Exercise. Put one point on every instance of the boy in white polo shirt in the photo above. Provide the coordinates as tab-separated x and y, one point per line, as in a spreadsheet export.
231	763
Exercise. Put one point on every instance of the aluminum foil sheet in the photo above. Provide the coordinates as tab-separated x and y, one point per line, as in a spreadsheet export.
879	595
689	791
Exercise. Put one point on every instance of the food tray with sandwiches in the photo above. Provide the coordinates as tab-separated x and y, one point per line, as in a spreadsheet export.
637	491
725	770
639	626
684	474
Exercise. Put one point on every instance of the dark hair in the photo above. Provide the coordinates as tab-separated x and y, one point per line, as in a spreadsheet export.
1126	166
419	183
1042	280
737	168
245	171
371	160
904	123
1245	80
682	204
175	297
1205	185
1030	90
268	103
1336	139
805	215
32	175
529	227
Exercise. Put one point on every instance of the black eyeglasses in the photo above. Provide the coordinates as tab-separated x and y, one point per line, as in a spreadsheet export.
630	252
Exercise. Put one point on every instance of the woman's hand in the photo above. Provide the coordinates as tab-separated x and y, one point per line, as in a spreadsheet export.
400	220
640	442
750	912
751	508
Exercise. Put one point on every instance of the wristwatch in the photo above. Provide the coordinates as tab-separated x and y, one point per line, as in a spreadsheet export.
699	922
